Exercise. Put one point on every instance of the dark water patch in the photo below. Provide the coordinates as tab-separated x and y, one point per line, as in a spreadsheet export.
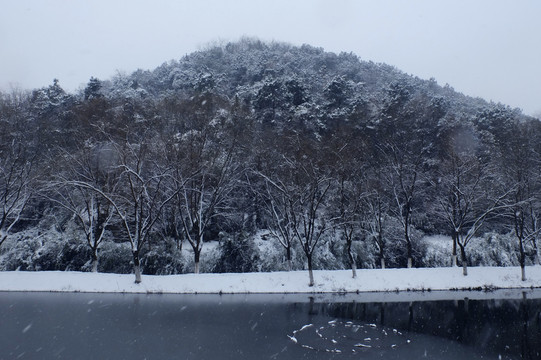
123	326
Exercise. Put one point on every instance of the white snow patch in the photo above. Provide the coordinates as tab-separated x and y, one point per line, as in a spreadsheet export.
327	281
306	327
292	338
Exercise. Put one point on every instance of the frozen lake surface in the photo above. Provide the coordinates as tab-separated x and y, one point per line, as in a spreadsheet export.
139	326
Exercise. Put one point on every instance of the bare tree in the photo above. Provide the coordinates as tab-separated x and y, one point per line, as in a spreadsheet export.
303	191
519	170
16	176
349	219
277	200
375	221
478	217
140	206
171	228
96	167
461	188
17	160
347	200
405	129
306	206
204	170
404	178
525	225
201	197
469	199
351	211
140	196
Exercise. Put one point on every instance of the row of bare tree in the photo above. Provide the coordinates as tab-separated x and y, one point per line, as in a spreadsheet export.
193	164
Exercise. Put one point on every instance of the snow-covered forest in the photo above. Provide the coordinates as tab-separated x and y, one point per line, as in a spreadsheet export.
253	156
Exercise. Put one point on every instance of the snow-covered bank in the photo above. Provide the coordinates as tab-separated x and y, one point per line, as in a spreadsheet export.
337	281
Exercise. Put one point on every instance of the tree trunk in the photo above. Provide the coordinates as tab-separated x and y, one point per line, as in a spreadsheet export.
408	245
310	270
410	317
352	260
464	262
197	255
381	253
288	258
526	350
94	261
137	266
381	246
407	219
522	259
382	313
453	256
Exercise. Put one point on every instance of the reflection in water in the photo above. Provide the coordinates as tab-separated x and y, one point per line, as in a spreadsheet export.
498	328
109	326
528	351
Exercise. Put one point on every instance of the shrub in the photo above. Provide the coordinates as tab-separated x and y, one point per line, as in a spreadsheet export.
237	255
329	254
493	249
19	250
115	258
162	261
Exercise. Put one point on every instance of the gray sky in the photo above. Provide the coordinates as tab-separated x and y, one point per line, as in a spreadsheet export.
486	48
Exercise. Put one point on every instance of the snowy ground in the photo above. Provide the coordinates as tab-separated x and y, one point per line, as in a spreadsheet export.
337	281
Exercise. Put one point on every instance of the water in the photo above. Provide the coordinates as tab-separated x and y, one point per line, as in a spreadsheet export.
376	326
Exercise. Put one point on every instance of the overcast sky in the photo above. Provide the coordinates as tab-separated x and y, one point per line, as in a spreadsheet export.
486	48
